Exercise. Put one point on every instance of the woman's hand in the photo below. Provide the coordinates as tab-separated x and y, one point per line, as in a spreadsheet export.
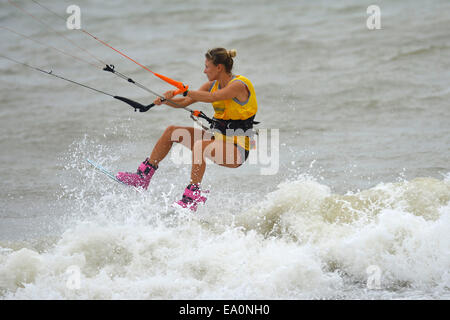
167	96
157	101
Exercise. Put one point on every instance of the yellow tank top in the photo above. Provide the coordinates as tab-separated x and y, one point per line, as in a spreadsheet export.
234	109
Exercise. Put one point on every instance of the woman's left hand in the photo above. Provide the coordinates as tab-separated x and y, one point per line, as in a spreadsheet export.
168	95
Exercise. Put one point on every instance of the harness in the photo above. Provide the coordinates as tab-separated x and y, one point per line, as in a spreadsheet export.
223	125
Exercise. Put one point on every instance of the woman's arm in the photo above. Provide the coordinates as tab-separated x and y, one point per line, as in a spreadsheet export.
231	91
181	102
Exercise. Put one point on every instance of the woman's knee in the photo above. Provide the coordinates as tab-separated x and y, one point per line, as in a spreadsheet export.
170	129
177	134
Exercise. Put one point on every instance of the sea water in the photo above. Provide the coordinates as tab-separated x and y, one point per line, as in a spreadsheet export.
349	200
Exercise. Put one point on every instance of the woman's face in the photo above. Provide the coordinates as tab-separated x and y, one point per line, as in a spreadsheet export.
212	71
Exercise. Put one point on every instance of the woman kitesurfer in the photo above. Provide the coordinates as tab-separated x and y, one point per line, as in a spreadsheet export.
227	143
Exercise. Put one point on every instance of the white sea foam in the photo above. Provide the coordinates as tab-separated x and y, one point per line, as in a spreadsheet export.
302	241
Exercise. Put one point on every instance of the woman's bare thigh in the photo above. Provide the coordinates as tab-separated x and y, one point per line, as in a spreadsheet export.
187	136
223	153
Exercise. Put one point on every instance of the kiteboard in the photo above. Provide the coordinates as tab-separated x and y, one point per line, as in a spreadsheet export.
109	174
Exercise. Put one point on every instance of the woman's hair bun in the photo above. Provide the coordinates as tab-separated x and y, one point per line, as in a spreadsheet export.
221	56
232	53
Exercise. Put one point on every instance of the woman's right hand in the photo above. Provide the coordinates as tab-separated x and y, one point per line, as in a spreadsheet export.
158	101
167	96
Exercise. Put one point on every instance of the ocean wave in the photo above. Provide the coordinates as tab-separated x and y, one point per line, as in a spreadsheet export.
300	241
415	51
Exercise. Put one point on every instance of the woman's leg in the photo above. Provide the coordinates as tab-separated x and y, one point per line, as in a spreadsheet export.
222	153
187	136
198	160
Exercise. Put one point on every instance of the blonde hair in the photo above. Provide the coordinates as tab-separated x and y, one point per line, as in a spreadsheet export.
222	56
232	53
